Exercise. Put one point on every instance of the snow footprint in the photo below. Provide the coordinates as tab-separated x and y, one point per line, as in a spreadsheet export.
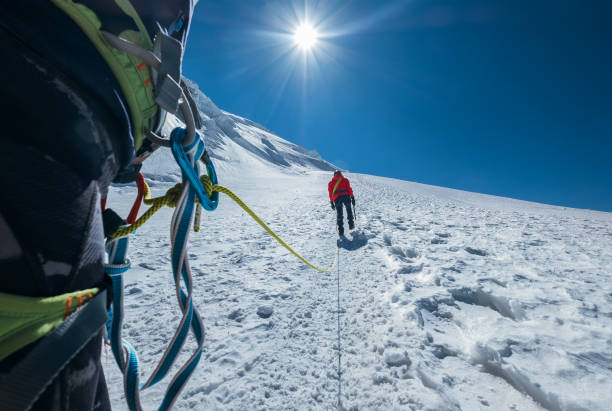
402	257
478	296
477	251
440	238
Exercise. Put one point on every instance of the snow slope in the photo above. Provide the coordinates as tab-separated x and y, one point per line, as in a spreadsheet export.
448	300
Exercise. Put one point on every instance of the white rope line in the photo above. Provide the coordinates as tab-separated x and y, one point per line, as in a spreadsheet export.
339	341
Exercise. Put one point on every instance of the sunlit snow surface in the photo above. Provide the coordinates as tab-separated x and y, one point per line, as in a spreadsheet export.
492	303
449	300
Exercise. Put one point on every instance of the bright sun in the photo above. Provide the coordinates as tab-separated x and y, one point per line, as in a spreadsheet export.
305	36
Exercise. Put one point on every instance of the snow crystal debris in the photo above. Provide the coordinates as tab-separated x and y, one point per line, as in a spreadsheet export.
410	269
387	239
380	378
443	235
236	315
442	351
397	359
265	311
476	251
411	253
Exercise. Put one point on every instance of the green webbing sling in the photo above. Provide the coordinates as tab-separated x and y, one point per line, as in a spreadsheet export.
133	75
27	380
24	320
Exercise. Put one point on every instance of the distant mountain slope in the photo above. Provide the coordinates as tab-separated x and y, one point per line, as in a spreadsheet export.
237	144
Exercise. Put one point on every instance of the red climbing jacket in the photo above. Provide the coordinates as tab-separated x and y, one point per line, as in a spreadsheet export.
343	187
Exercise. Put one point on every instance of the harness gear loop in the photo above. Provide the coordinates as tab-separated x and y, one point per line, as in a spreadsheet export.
140	183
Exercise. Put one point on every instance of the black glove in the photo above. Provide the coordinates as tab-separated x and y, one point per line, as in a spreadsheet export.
353	200
333	205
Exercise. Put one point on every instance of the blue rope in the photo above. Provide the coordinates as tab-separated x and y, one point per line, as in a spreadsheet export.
125	355
190	171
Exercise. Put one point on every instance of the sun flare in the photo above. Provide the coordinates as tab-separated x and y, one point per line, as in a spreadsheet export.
305	36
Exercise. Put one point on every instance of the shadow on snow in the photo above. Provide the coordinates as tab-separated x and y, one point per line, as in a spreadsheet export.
357	240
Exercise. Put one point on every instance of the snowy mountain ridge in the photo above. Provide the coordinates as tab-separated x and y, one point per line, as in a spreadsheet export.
236	143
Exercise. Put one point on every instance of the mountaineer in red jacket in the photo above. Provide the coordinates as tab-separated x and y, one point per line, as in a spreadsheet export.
340	192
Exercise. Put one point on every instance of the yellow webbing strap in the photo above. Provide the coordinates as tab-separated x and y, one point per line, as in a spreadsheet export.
24	320
336	186
171	199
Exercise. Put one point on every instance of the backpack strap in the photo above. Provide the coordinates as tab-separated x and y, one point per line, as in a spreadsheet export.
22	386
336	186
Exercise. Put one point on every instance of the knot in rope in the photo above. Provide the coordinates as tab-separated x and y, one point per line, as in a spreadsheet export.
171	197
208	185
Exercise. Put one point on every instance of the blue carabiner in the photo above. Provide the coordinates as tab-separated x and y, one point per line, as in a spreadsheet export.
190	172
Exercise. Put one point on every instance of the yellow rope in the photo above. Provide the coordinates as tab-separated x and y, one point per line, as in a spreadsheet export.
171	199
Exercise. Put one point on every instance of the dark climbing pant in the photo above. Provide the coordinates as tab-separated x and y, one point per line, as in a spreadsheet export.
346	201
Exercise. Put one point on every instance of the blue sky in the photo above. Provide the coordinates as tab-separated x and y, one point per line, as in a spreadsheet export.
511	98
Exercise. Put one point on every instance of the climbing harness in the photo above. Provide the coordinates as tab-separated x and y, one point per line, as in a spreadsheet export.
26	319
68	322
